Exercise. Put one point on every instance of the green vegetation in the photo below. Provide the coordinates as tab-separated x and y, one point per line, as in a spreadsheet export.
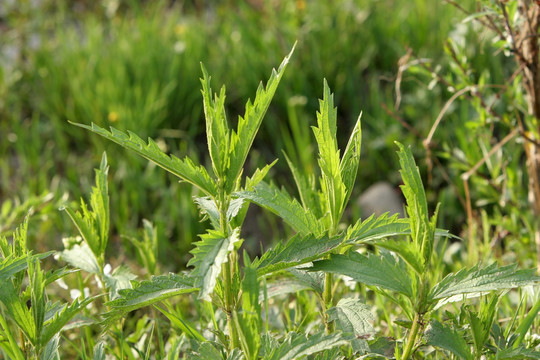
158	260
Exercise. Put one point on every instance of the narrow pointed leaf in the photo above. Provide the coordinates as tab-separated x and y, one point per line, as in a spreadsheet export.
478	280
18	310
99	200
374	228
51	350
383	271
280	203
297	345
217	130
258	176
350	160
12	265
332	185
99	351
208	256
315	280
56	324
149	292
297	251
443	337
85	226
242	139
407	250
184	169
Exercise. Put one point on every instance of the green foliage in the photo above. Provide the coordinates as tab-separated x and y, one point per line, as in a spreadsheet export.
93	223
476	281
337	290
380	271
297	345
185	169
208	257
443	337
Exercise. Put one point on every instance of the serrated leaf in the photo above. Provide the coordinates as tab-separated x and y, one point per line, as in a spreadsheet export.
208	207
12	264
383	271
84	222
258	176
298	345
119	279
208	256
422	229
185	168
332	185
313	280
374	228
407	250
149	292
352	316
51	349
280	203
249	319
206	351
217	130
37	294
351	159
81	256
478	280
18	310
482	321
99	201
297	251
520	353
99	351
444	337
242	140
56	324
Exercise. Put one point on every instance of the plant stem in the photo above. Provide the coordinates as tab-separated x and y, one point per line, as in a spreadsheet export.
228	273
229	305
411	340
327	297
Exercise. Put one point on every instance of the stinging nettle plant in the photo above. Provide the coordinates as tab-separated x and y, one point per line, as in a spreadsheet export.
314	260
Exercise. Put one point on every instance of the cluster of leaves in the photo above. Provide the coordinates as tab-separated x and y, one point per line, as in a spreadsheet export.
234	298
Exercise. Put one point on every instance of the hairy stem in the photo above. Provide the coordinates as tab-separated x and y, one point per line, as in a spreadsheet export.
228	273
413	335
328	301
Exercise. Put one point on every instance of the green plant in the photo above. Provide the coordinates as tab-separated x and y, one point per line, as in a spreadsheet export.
403	271
27	312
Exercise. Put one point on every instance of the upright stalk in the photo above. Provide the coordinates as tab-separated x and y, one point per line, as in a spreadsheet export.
411	339
228	273
327	298
328	288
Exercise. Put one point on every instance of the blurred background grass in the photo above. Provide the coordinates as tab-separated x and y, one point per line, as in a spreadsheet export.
135	65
